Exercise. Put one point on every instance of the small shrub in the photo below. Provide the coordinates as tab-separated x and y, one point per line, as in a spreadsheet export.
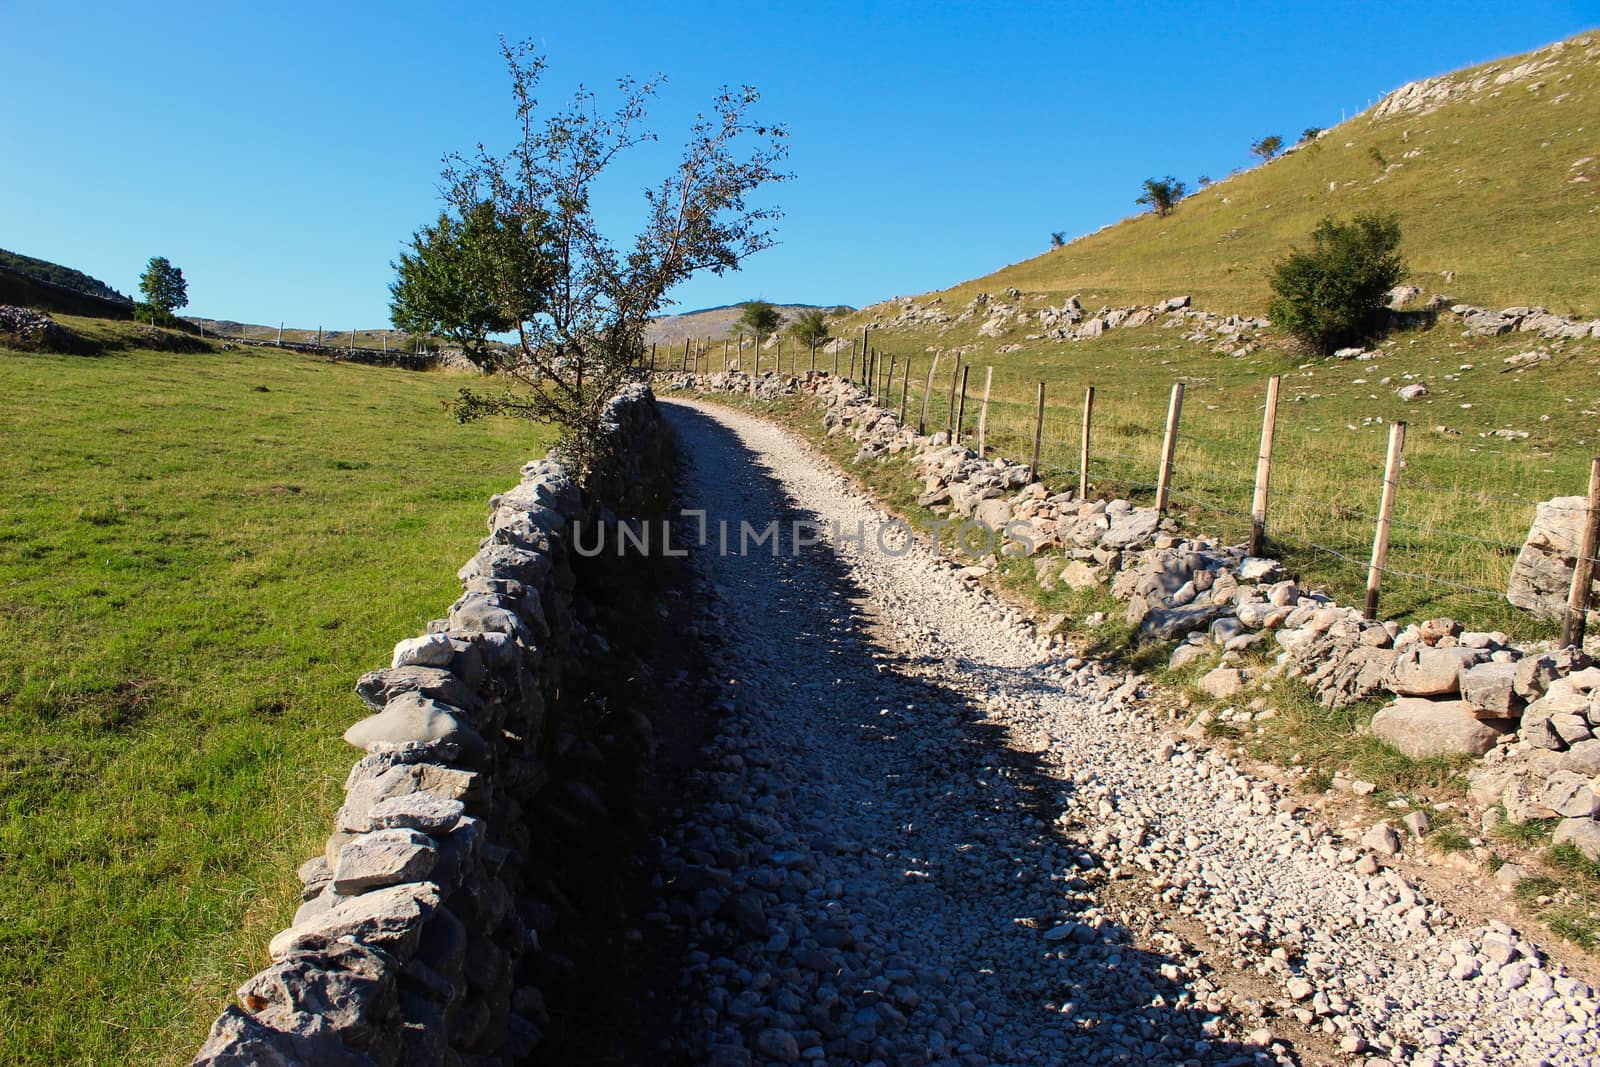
1335	294
1267	147
1377	157
1058	238
1162	194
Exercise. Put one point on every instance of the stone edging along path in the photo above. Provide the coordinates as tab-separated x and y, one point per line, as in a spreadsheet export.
419	939
897	874
1532	714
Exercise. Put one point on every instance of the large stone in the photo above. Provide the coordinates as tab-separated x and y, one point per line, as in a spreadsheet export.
417	811
1132	528
389	918
346	988
429	650
1430	672
1489	691
1079	575
1382	839
413	717
1169	624
1224	682
1421	728
1584	834
238	1039
1568	795
994	513
378	688
1541	578
383	857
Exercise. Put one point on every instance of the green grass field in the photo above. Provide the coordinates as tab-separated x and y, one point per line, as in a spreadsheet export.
199	553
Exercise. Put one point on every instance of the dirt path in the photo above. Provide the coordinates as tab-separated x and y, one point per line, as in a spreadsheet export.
922	839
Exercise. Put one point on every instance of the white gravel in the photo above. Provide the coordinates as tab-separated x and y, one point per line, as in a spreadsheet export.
928	840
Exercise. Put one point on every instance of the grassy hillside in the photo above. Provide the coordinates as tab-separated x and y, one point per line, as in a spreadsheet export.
715	323
1494	172
57	275
21	290
1483	167
199	553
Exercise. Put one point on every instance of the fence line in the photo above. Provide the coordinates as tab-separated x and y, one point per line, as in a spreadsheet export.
1221	468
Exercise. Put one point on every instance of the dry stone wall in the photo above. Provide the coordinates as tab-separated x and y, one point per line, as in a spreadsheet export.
1532	714
419	941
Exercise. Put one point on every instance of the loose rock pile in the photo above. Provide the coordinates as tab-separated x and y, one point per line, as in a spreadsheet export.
419	941
32	327
1487	322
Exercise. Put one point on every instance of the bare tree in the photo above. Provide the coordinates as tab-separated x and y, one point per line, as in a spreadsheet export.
578	303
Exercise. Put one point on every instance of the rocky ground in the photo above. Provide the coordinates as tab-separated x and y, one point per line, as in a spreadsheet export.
923	836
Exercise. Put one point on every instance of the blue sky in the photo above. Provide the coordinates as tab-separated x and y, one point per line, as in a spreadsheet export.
280	154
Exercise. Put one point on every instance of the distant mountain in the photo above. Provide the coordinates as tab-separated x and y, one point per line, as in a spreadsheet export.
718	322
41	270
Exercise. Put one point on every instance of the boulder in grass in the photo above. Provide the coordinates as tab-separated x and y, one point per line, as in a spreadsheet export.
1422	728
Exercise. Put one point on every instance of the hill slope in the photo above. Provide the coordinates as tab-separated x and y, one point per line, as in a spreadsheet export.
715	323
1494	172
55	274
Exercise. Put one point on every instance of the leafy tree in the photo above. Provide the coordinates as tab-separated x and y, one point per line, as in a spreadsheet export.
1310	133
759	318
1203	181
810	327
1058	238
1162	194
472	275
576	303
1267	147
163	288
1334	294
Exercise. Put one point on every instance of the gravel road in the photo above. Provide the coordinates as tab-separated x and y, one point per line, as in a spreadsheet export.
925	838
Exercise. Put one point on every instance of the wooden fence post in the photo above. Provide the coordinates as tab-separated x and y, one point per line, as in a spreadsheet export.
888	388
652	357
1258	505
1083	444
864	330
1583	567
852	361
950	405
813	354
1169	443
983	410
927	390
905	390
1038	436
1380	540
961	412
837	345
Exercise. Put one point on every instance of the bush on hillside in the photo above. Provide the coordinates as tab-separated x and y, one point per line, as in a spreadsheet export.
1334	294
1162	194
1267	147
810	327
152	315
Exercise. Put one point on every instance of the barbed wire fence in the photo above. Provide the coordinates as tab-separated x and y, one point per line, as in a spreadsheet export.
1360	524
